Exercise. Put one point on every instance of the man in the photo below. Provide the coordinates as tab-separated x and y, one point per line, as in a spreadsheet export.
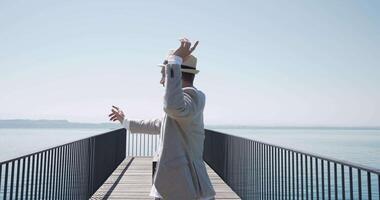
181	173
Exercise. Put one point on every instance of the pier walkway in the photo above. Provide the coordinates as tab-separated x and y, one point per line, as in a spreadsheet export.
133	180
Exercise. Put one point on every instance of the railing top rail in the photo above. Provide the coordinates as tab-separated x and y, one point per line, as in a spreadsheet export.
321	157
50	148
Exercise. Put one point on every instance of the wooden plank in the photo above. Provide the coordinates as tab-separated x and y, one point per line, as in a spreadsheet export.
133	180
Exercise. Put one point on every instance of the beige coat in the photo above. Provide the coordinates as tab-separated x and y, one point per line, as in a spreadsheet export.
183	118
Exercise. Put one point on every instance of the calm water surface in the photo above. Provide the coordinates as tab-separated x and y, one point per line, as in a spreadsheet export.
19	142
361	146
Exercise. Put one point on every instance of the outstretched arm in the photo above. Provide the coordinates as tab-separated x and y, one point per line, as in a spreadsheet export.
177	103
135	126
152	126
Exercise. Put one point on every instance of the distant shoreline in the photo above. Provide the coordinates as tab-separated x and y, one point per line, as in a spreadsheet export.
65	124
46	124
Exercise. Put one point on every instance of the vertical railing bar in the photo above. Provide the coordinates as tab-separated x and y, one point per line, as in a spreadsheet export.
18	177
40	177
46	176
378	186
270	178
273	174
88	166
285	167
85	168
149	145
360	184
289	179
32	176
293	177
306	178
50	172
311	179
82	161
27	179
261	171
267	171
282	174
135	145
302	175
139	142
71	188
335	181
323	179
329	179
316	177
1	172
343	182
61	172
79	172
12	179
142	144
92	162
67	173
369	185
351	184
57	168
255	191
74	169
278	173
133	142
36	176
6	181
22	179
41	172
298	176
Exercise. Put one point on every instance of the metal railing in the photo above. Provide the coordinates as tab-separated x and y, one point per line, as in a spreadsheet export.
253	169
71	171
140	144
257	170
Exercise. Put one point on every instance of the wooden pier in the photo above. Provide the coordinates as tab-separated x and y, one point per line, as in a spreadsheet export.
133	180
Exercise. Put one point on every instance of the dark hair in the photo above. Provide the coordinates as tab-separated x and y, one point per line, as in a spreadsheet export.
188	77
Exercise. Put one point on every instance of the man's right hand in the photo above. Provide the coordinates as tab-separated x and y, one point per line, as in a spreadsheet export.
116	114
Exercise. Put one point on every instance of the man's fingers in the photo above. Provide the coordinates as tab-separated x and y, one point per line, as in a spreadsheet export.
117	108
183	42
195	46
188	45
112	118
111	114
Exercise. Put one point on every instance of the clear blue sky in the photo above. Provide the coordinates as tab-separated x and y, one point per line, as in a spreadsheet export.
262	62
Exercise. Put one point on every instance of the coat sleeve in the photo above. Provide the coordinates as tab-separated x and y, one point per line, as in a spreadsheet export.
177	102
143	126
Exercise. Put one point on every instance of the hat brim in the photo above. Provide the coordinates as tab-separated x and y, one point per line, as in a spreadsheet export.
191	71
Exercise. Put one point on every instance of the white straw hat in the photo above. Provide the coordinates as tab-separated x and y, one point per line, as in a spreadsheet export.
189	65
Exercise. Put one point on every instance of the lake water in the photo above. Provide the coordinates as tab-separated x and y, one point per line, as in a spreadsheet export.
19	142
360	146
